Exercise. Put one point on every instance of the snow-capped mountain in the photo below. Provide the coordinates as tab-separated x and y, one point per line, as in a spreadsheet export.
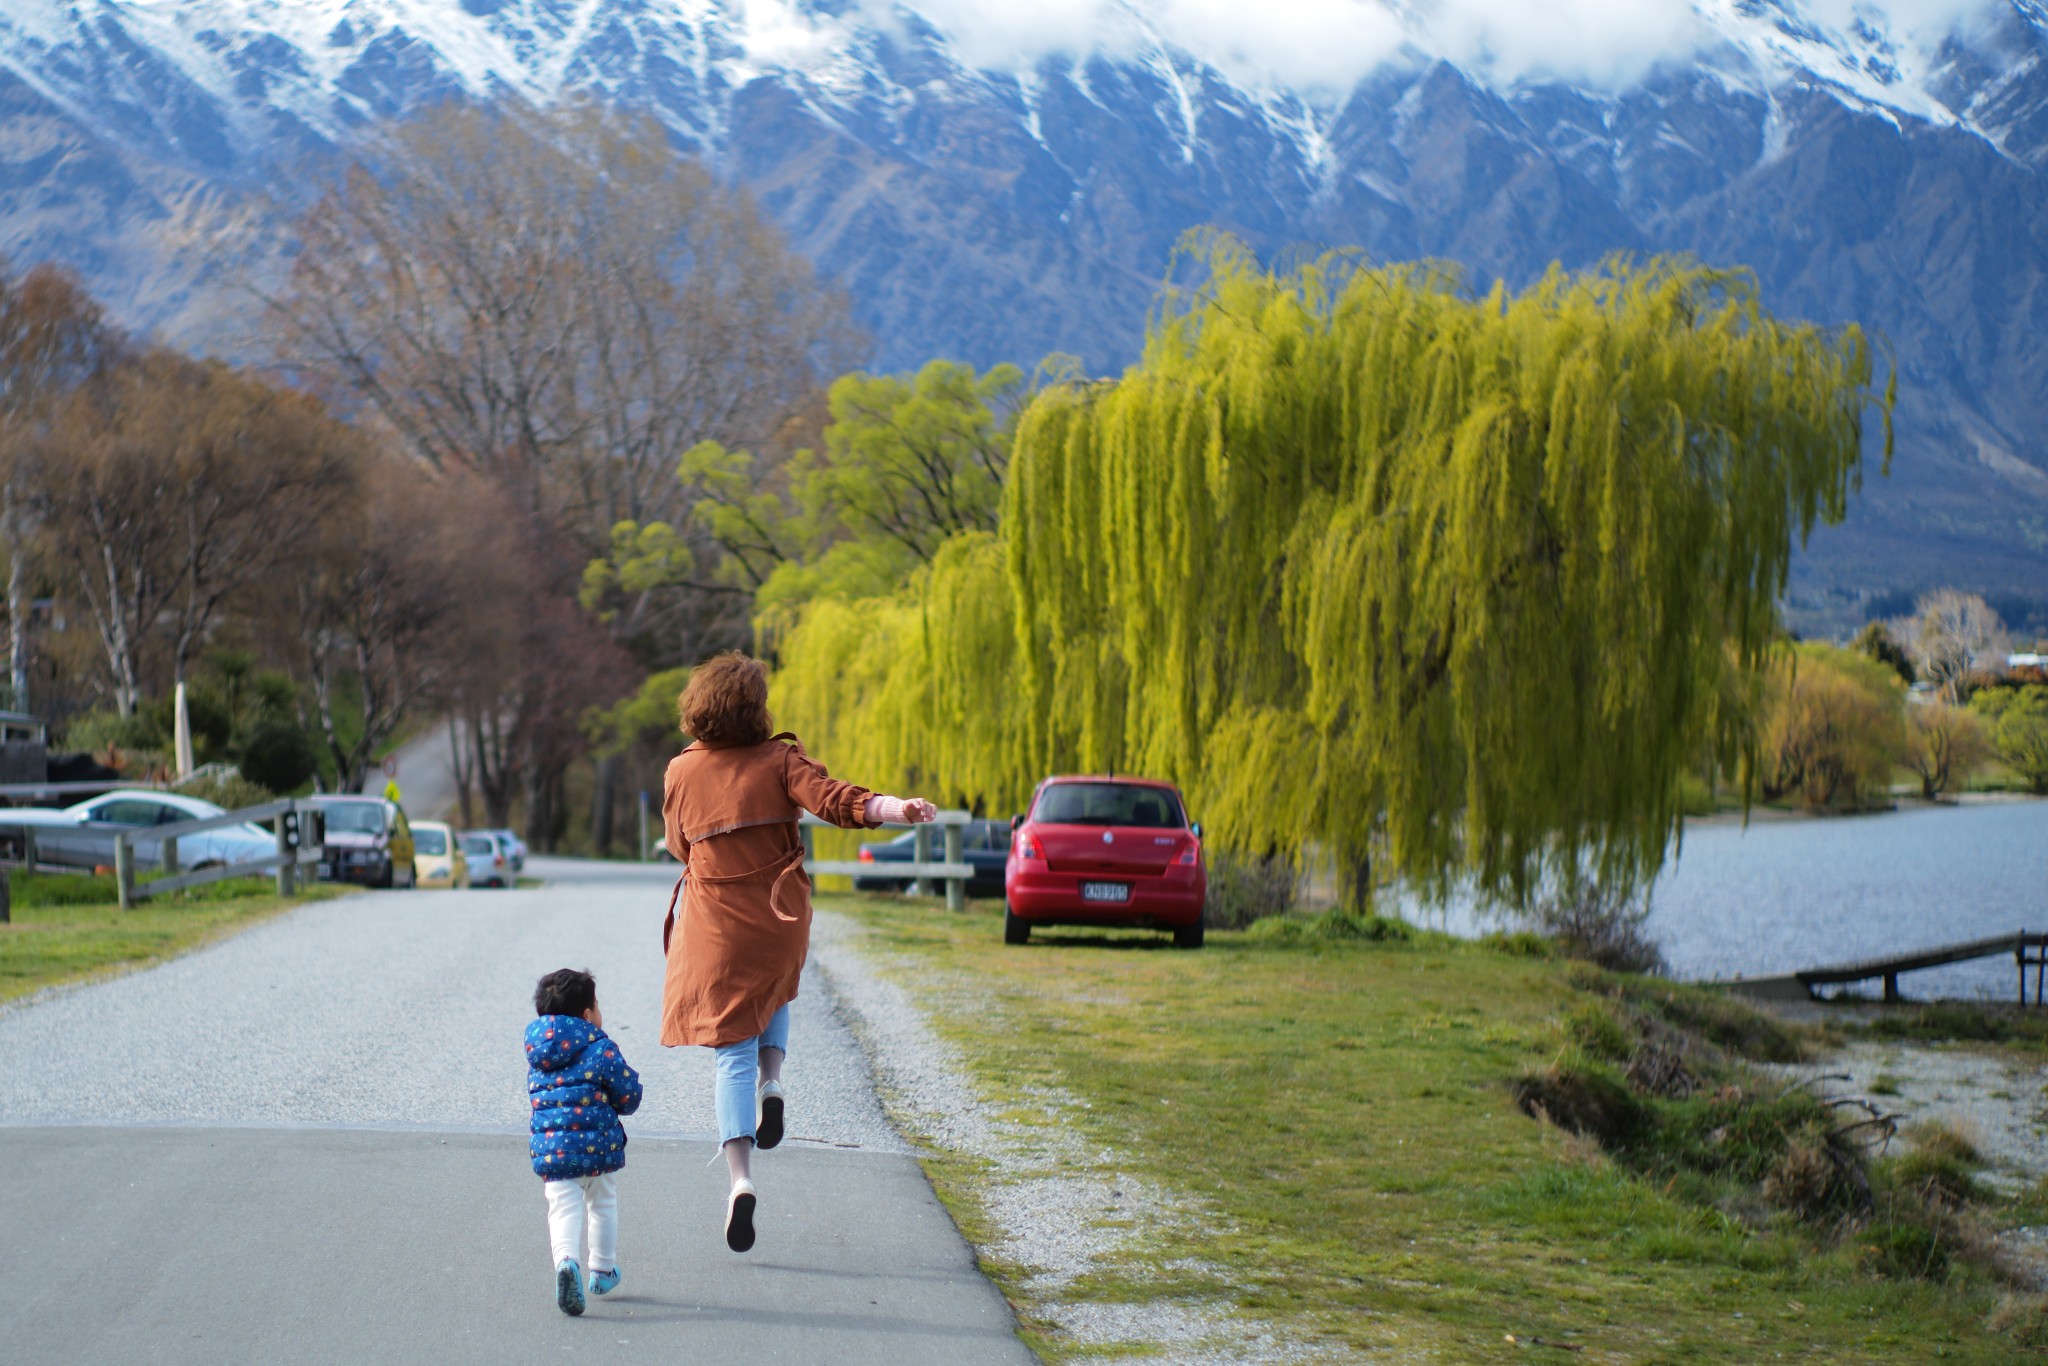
995	183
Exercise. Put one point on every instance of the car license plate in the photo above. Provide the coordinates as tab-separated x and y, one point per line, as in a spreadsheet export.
1105	891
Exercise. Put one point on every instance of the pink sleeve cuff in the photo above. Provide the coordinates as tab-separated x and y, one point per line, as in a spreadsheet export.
886	810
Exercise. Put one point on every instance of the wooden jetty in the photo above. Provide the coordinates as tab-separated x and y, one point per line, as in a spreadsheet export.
2027	950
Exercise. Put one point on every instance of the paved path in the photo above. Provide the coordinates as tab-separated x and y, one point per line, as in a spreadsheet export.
307	1143
426	776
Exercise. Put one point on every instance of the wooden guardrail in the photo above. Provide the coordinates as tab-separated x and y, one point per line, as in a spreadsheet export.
953	870
300	831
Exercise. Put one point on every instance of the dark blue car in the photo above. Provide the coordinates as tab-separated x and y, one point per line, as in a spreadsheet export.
985	845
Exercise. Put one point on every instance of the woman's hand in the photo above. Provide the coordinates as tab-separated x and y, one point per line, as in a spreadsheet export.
917	811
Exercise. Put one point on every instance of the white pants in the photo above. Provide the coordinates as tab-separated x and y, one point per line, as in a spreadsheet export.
585	1203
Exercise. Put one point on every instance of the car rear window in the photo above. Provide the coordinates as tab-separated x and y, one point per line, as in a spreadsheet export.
479	844
1108	804
429	842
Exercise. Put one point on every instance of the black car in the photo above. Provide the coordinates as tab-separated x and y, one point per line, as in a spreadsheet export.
985	845
368	841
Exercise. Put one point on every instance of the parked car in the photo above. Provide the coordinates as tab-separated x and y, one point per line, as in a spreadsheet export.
369	841
438	856
490	859
82	836
984	845
1105	851
515	847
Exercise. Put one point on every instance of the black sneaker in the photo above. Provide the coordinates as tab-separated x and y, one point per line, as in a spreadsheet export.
768	1125
739	1216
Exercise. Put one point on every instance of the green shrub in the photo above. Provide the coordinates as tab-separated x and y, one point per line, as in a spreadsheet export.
278	755
1337	926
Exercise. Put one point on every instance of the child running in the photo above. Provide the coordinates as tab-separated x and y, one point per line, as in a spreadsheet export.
579	1086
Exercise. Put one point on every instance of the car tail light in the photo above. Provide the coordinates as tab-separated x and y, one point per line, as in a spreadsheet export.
866	855
498	861
1027	847
1190	854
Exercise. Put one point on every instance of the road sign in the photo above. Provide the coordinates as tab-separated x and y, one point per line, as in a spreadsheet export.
391	766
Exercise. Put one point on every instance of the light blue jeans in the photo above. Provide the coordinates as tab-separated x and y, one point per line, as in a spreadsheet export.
739	1072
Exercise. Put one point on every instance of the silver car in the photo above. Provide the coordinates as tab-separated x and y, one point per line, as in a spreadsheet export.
490	859
515	848
82	836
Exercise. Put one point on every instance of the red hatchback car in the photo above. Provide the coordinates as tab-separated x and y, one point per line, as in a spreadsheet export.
1105	851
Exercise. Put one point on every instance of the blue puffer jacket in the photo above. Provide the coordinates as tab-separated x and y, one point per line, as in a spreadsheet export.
579	1086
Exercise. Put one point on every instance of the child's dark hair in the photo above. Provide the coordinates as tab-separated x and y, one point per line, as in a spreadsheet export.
565	991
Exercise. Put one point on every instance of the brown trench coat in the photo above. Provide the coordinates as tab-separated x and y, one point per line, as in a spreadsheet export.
743	927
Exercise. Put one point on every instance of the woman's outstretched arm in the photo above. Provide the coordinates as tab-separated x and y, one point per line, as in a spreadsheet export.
845	804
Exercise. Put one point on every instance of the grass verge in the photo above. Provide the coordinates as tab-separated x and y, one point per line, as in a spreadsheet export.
1338	1107
67	928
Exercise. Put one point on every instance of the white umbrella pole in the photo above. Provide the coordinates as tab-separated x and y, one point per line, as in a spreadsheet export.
184	737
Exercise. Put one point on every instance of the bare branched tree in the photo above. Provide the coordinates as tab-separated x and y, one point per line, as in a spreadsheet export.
168	486
51	339
1950	635
399	590
558	297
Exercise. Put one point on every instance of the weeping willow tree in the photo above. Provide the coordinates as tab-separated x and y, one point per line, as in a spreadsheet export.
1364	562
911	690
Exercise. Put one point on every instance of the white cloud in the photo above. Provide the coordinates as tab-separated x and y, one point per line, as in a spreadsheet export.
777	33
1328	45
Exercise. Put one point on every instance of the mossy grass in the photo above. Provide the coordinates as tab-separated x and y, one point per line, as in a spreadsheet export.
66	928
1339	1112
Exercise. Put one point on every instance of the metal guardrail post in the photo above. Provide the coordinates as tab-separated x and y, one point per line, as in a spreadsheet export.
124	871
956	890
921	851
284	856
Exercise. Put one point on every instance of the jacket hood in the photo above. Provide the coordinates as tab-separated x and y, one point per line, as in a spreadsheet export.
555	1041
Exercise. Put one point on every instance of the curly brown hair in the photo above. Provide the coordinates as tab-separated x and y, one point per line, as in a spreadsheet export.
726	701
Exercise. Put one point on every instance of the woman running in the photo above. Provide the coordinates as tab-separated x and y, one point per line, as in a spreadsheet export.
736	947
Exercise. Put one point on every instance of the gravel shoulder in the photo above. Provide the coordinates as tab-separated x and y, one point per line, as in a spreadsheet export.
1053	1212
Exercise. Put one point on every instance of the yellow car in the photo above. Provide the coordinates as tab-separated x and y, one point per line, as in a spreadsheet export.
438	855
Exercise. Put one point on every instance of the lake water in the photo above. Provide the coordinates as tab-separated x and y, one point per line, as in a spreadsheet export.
1788	894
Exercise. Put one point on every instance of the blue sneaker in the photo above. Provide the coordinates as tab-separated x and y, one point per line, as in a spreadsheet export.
569	1287
604	1282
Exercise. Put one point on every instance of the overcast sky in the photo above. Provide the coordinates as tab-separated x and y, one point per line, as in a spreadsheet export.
1330	44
